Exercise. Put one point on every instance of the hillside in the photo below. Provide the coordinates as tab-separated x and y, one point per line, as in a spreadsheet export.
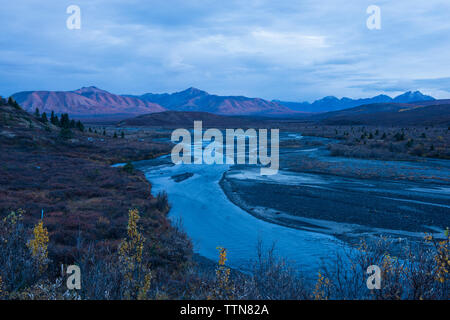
85	101
85	201
185	119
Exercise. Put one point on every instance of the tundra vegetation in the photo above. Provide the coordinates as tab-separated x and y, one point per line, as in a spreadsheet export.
384	143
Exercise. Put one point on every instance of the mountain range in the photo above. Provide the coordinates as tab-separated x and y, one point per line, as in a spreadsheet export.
84	101
193	99
436	112
332	103
95	102
92	101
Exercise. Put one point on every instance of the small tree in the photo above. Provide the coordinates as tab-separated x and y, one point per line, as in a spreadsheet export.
44	117
64	121
54	119
13	103
115	135
128	167
122	135
136	271
37	114
38	245
80	126
409	143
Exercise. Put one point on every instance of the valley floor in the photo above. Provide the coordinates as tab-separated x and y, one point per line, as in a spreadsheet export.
347	198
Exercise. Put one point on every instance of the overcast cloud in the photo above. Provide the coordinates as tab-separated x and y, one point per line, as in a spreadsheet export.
289	50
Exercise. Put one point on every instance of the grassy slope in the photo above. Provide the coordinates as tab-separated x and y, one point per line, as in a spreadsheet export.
84	199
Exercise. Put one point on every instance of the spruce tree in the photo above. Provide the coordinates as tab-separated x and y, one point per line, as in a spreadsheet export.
44	117
80	126
54	119
64	121
37	114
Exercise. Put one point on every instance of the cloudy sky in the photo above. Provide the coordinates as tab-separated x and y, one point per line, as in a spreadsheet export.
289	49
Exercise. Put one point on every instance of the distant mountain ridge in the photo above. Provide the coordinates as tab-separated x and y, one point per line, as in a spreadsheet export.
193	99
332	103
95	102
389	114
92	101
84	101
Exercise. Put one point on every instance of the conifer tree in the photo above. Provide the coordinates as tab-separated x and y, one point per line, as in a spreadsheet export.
44	117
54	119
64	121
80	126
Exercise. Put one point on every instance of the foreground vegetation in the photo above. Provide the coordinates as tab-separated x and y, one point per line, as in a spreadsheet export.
128	271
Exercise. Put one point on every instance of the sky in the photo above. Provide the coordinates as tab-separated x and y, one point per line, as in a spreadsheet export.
292	50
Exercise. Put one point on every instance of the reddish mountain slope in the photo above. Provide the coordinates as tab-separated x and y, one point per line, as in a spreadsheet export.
193	99
84	101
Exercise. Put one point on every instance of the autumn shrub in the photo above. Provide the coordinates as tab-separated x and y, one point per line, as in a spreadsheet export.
135	267
223	287
125	270
417	271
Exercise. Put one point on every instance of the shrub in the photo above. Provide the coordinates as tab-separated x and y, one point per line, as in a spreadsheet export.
38	246
80	126
135	269
128	167
17	266
162	202
65	133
